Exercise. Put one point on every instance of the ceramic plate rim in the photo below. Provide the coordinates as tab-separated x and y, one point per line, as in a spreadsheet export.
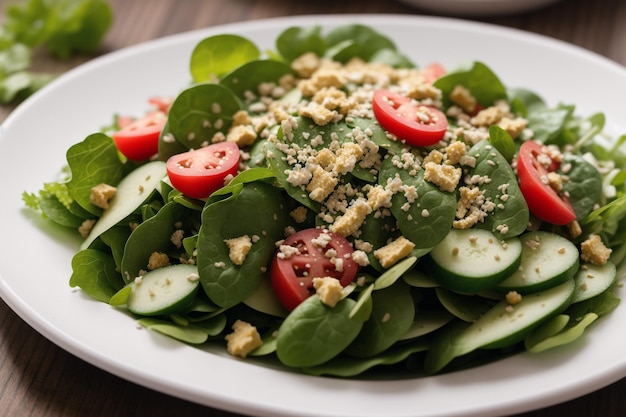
241	387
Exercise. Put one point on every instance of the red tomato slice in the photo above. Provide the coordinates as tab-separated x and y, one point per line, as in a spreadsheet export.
432	71
162	104
416	124
139	140
543	201
198	173
292	276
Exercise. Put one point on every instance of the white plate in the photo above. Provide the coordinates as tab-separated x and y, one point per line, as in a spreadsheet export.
35	258
479	7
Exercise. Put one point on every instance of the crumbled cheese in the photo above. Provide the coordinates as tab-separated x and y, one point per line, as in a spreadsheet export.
350	222
238	248
594	251
242	135
378	197
322	184
463	98
513	297
243	340
360	257
574	229
554	181
513	127
391	253
325	158
446	177
455	152
306	64
299	214
177	237
101	194
158	260
85	227
319	113
347	157
489	116
334	99
328	289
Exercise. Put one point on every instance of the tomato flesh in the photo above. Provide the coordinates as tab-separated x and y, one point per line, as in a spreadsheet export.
292	273
198	173
139	139
417	124
543	201
432	72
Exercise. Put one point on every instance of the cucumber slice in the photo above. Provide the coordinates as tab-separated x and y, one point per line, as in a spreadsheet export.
167	290
503	325
548	259
132	191
427	321
592	280
474	260
468	308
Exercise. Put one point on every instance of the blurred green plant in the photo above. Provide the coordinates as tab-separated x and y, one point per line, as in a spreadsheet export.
65	28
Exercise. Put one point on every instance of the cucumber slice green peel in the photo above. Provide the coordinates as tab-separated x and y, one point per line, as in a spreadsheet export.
131	193
548	259
163	291
503	325
470	261
592	280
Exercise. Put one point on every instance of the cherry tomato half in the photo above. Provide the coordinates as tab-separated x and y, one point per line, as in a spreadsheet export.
198	173
161	103
292	274
416	124
139	140
432	72
543	201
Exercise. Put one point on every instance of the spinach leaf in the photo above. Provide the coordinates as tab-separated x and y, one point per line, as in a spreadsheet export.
377	230
93	161
427	220
94	272
225	283
510	215
480	80
547	123
584	184
192	333
356	41
246	78
53	209
63	27
346	366
201	111
155	235
524	101
244	177
393	58
296	41
277	162
218	55
378	135
392	315
115	238
314	333
502	141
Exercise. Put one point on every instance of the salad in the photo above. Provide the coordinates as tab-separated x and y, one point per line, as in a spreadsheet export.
333	207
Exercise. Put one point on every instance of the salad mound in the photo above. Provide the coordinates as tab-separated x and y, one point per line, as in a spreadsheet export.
334	207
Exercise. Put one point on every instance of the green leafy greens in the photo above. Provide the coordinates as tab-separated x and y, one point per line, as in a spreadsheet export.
63	27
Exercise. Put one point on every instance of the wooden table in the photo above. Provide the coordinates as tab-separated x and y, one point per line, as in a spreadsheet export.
37	378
